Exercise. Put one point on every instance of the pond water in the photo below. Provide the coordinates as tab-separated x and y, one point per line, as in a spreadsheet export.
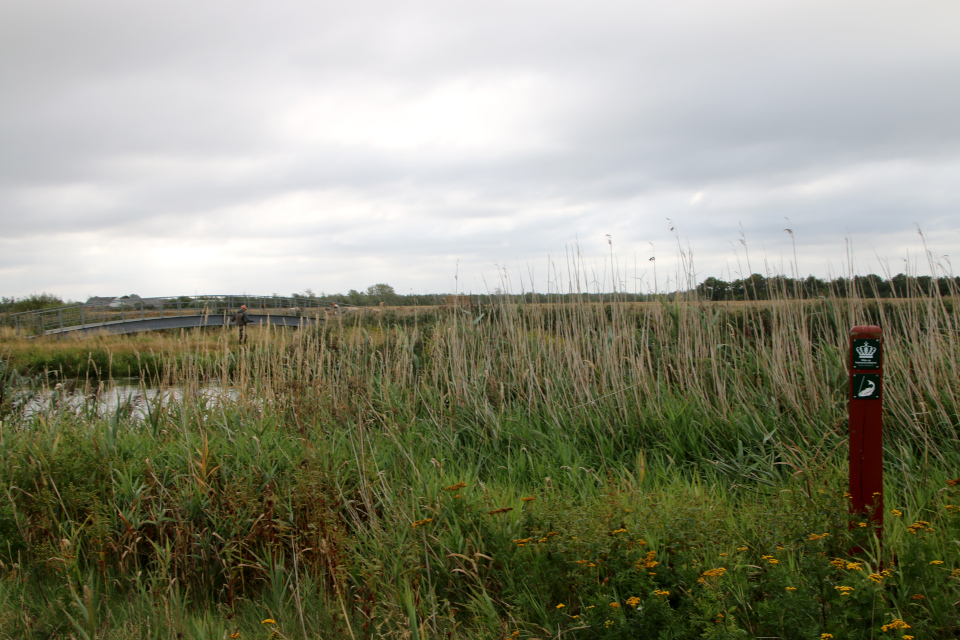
129	395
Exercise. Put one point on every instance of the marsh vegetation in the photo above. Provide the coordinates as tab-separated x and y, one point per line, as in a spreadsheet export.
579	470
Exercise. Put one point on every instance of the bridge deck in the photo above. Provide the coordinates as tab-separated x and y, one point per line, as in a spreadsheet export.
154	314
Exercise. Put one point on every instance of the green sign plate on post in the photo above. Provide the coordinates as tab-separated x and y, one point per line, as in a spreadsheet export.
866	386
866	353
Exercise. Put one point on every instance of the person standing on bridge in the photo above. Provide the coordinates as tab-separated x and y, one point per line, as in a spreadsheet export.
242	320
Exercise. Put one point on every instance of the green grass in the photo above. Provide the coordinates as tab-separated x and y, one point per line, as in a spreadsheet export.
368	480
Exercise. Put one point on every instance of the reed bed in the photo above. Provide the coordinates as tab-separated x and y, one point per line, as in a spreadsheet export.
674	469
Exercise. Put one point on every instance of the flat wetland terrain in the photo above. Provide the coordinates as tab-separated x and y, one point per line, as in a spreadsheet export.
616	470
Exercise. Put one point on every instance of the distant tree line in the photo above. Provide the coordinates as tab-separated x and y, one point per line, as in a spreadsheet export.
754	287
33	302
758	287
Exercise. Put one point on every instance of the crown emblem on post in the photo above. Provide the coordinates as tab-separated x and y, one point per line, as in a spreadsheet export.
866	351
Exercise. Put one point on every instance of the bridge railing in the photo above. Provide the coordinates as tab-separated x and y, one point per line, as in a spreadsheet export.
88	315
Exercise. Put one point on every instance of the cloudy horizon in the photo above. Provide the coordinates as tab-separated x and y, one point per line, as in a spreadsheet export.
186	147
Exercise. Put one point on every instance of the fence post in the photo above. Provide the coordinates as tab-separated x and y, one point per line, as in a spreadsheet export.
866	423
82	321
142	317
17	318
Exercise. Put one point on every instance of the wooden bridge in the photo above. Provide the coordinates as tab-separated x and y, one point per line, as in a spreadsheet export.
132	315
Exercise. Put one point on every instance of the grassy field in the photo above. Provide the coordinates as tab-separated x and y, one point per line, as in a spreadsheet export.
671	470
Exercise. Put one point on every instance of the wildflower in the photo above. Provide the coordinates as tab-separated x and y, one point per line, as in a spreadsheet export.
936	562
854	566
846	495
897	512
529	499
817	536
515	633
876	577
633	601
420	523
661	592
742	548
552	533
575	617
826	636
561	606
896	623
608	624
918	596
838	563
774	561
714	573
502	510
615	605
722	555
791	588
907	637
919	525
457	496
455	487
581	562
641	542
844	591
862	525
591	565
620	531
269	621
542	540
779	547
234	636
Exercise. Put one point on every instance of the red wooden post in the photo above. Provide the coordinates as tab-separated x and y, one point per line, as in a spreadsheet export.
866	423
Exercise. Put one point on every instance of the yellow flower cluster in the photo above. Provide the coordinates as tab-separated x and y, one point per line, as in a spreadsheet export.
615	605
854	566
918	596
712	573
420	523
791	588
641	542
661	592
936	562
897	623
838	563
742	548
844	591
876	577
235	635
826	636
818	536
621	530
456	487
920	525
269	621
897	512
648	561
633	602
529	498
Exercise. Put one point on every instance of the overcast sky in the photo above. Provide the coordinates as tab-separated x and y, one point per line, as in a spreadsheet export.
269	147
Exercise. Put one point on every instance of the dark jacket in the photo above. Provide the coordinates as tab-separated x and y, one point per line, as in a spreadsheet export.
240	318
